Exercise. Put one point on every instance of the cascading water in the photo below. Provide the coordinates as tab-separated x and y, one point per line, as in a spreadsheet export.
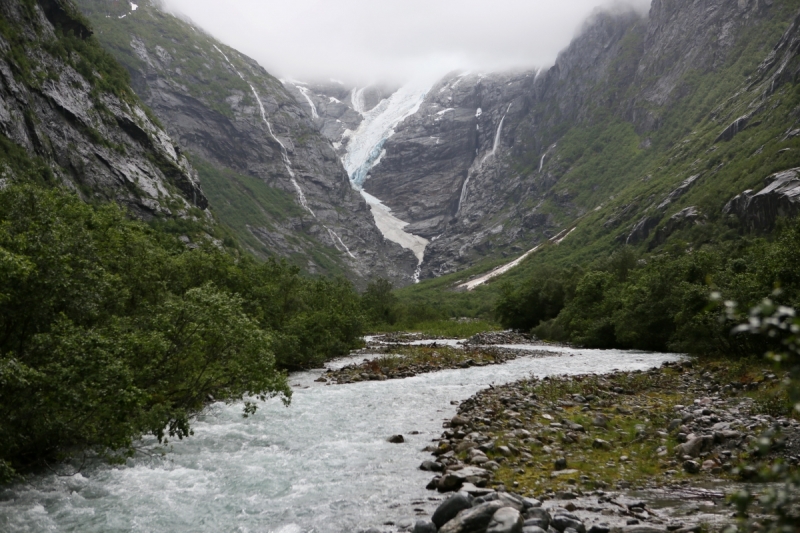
365	149
462	198
321	465
285	157
304	91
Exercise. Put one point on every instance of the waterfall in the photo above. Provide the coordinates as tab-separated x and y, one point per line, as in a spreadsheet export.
304	91
496	143
286	161
357	100
541	162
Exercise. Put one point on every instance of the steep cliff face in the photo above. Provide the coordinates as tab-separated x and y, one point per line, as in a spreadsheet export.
271	177
491	165
63	99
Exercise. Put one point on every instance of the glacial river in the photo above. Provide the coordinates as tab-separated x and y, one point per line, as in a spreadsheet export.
322	464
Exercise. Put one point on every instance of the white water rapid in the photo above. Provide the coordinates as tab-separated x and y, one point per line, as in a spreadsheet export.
321	465
365	149
287	163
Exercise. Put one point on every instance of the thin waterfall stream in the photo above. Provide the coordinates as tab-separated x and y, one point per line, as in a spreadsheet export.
301	197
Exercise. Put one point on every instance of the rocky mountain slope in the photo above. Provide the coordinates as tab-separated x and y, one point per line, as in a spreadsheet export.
270	176
633	135
63	99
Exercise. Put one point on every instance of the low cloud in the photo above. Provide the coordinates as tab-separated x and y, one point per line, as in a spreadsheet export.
361	41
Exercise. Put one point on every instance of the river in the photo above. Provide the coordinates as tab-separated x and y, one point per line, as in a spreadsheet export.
322	465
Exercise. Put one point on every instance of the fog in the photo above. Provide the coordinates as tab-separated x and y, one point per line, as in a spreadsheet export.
362	41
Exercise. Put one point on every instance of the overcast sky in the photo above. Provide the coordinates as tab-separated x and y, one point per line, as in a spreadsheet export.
362	41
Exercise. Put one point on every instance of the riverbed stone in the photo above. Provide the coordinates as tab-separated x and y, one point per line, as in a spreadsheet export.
431	466
693	447
533	529
449	482
537	516
449	508
423	526
563	520
474	520
505	520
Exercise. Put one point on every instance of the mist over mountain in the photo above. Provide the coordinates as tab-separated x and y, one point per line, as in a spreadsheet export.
392	41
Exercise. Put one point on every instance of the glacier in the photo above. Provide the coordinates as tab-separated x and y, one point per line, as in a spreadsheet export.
365	149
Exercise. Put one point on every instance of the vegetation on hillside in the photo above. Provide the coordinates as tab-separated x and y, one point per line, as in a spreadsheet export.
113	329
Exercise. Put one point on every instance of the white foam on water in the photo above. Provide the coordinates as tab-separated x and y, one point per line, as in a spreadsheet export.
323	464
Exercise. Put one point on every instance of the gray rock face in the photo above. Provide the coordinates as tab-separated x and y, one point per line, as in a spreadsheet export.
473	169
235	116
779	198
102	144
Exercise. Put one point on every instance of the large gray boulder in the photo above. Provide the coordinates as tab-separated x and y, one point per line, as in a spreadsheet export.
450	508
779	198
474	520
506	520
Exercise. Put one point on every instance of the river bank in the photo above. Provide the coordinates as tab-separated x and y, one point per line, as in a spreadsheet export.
643	451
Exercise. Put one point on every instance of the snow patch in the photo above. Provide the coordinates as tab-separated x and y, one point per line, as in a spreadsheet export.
478	113
134	7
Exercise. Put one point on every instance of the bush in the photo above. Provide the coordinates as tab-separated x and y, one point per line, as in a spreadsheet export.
112	329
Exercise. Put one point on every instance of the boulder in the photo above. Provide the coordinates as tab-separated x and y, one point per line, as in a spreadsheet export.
449	508
396	439
563	520
474	520
691	467
779	198
538	517
423	526
694	447
431	466
505	520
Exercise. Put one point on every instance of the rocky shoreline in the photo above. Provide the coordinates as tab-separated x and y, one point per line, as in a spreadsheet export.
633	452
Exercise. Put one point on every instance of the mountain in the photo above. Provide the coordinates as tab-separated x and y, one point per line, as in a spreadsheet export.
271	177
64	100
646	126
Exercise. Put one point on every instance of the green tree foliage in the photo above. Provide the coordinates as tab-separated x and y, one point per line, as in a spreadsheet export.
380	303
780	501
660	301
110	329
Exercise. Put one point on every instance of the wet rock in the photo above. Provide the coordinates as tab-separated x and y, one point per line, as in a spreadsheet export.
396	439
474	520
532	529
450	508
423	526
563	520
691	467
506	520
431	466
458	420
538	517
449	482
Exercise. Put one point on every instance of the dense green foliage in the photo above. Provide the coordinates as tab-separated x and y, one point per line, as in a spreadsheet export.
111	329
780	501
657	303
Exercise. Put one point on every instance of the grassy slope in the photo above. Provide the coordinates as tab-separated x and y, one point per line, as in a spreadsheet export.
607	168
